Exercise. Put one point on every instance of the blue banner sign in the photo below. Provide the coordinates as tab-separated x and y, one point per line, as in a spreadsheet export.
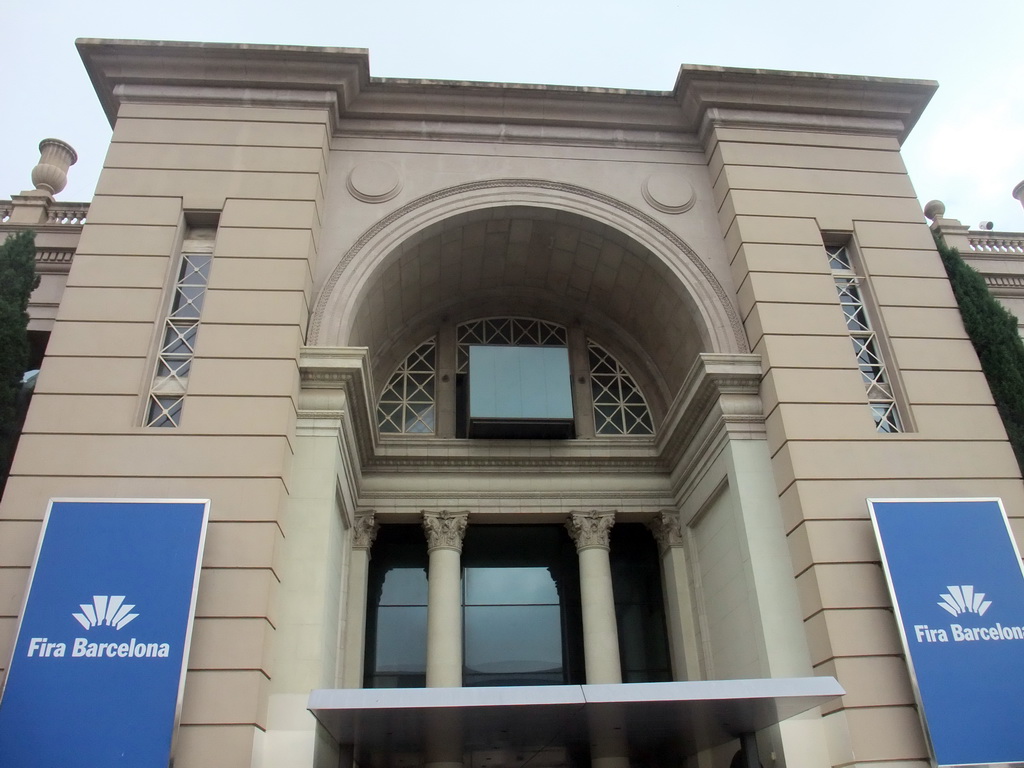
958	588
98	664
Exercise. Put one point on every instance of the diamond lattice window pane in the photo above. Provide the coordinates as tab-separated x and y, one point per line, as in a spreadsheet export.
164	411
176	367
619	405
869	360
887	418
406	405
188	301
195	269
180	339
839	257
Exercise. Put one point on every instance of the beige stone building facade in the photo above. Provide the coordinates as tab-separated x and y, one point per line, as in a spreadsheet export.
274	301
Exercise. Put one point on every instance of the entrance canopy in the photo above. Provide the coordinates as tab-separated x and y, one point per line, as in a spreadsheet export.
663	722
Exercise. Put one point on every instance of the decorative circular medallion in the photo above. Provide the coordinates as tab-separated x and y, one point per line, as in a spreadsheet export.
374	182
668	192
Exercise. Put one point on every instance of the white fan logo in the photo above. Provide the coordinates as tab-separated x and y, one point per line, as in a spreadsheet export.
964	599
106	610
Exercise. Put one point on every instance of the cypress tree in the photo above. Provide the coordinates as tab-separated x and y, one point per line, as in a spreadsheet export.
17	280
993	332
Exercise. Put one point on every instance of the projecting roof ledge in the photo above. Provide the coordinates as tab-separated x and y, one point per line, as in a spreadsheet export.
711	96
223	73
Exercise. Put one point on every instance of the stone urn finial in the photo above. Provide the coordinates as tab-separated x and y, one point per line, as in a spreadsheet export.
934	209
55	157
1018	193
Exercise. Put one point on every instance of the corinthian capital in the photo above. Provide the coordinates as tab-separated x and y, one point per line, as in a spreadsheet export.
667	530
364	530
590	529
445	529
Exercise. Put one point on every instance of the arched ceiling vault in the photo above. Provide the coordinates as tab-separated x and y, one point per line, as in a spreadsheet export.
534	262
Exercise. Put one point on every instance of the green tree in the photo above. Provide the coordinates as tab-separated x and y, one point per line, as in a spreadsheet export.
993	331
17	280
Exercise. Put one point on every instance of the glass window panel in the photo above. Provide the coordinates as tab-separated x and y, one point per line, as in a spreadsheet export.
522	564
524	640
195	269
391	395
838	257
520	383
401	642
420	422
639	606
640	650
887	419
510	586
404	586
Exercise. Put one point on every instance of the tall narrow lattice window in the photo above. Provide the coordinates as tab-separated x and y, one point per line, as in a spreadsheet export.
181	329
619	406
407	403
865	343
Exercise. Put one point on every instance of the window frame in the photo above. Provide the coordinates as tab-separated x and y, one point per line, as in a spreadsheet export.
450	401
862	320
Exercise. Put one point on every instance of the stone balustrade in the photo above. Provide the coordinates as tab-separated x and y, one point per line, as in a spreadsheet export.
57	215
996	242
68	213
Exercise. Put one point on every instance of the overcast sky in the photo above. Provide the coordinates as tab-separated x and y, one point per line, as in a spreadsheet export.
967	150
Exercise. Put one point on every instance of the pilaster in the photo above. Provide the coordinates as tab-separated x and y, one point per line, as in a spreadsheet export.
364	531
682	633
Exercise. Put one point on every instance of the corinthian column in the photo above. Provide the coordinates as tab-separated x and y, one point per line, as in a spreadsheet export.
589	530
364	531
444	532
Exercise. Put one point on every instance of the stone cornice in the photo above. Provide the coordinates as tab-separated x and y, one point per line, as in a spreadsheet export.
729	382
339	79
222	73
808	100
345	369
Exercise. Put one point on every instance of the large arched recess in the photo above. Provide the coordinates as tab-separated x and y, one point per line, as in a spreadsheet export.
528	247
